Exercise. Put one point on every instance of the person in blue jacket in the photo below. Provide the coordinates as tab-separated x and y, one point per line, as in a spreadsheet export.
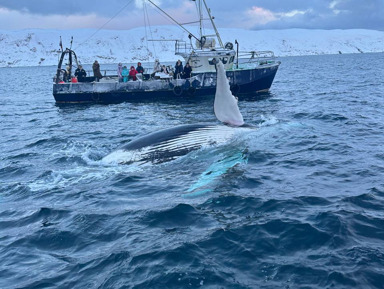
125	74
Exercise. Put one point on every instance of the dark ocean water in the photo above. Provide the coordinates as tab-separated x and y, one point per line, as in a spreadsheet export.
297	203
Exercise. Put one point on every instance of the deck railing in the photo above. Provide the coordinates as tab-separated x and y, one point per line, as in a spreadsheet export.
182	47
257	57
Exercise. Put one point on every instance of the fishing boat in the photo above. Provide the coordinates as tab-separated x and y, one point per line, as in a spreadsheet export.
248	72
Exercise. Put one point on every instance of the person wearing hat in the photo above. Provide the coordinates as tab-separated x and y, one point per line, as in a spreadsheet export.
80	73
132	73
139	68
125	73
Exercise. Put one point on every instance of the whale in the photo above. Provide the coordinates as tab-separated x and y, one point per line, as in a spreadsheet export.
168	144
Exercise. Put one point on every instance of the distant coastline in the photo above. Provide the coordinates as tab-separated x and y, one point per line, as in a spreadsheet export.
34	47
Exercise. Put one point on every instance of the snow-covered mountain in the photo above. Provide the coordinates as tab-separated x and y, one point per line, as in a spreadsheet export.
41	47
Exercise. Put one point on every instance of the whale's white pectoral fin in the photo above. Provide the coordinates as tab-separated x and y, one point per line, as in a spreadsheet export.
225	106
215	171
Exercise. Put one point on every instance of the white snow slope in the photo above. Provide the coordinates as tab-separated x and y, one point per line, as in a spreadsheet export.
41	47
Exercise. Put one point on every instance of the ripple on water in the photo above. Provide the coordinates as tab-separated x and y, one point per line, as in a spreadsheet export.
302	209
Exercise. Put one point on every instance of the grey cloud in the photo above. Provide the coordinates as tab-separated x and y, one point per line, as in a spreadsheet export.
368	14
346	14
67	7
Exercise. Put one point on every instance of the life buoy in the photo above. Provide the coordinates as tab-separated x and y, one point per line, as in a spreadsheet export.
177	90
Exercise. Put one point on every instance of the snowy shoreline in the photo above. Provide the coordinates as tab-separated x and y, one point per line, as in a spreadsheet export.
34	47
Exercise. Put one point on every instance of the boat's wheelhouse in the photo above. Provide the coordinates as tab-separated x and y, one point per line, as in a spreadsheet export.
203	58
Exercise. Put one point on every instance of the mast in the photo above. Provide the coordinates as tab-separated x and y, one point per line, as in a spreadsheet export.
200	19
213	23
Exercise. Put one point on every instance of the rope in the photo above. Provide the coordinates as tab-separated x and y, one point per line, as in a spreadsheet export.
113	17
146	20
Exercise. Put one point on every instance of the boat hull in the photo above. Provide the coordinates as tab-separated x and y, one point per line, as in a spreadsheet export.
243	82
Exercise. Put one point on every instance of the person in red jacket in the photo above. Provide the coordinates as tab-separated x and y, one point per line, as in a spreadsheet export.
132	73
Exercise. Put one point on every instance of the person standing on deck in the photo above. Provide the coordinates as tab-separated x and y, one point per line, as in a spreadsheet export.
178	69
187	71
80	73
119	71
96	71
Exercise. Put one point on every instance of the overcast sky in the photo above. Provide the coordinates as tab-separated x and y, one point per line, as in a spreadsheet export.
248	14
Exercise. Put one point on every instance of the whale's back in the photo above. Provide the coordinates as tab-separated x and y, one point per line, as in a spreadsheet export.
168	144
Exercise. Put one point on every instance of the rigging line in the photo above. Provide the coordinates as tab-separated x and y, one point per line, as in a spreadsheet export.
213	24
200	15
146	20
114	16
145	24
170	17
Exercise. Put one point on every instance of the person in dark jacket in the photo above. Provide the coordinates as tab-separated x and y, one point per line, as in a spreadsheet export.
187	71
178	69
96	71
81	74
139	68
